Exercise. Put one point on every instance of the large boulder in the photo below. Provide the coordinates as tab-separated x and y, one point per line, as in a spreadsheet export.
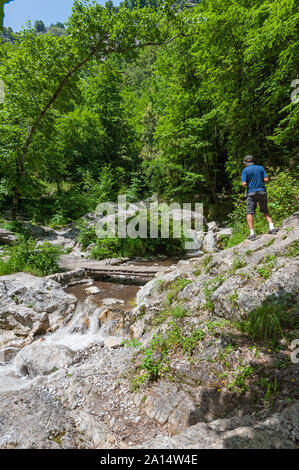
32	419
7	237
281	431
42	359
209	242
27	301
233	282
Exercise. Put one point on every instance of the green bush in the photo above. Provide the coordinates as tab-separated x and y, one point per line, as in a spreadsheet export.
86	235
268	321
155	358
24	257
107	248
133	247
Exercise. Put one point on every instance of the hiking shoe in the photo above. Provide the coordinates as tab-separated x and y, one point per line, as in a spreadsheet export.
251	237
273	232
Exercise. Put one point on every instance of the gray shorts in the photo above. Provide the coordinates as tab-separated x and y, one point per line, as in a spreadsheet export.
259	197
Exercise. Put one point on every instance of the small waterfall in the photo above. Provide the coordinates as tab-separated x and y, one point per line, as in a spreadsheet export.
81	330
9	380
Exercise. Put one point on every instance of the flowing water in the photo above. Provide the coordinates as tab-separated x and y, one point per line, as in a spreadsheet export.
82	329
125	292
9	380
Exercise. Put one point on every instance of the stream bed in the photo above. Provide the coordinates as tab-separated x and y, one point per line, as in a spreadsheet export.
108	289
83	328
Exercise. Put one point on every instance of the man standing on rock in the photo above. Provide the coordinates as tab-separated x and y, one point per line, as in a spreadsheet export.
254	178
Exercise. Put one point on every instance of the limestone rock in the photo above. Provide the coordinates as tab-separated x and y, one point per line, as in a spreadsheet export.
31	419
239	287
42	359
209	242
92	290
212	226
27	300
7	237
236	434
96	431
113	342
111	301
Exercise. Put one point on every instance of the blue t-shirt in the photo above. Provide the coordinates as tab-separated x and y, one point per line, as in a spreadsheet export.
254	176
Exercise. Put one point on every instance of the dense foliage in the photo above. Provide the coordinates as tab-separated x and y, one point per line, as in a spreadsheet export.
23	256
149	98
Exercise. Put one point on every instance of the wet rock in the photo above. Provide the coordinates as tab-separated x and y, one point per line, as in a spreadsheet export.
26	301
111	301
92	290
212	227
42	359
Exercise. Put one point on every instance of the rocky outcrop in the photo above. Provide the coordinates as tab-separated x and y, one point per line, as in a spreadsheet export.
232	283
175	372
278	432
7	237
42	359
47	425
30	305
66	238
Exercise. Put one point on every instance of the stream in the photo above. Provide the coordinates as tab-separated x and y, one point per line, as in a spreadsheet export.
84	328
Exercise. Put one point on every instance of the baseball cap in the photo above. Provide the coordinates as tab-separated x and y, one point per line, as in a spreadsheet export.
248	159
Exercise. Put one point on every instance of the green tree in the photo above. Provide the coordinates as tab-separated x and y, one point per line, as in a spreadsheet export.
40	73
39	26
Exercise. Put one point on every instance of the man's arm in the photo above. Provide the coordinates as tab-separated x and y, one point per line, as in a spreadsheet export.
244	179
266	179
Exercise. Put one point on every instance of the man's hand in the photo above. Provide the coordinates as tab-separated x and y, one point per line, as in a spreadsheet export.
266	179
244	184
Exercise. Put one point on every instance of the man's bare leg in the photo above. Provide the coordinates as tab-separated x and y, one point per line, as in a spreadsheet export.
268	218
270	222
250	221
250	225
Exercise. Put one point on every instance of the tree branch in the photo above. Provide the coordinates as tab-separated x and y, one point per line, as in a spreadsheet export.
56	93
152	43
92	53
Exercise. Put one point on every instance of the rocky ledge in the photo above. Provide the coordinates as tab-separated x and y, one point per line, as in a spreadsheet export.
182	369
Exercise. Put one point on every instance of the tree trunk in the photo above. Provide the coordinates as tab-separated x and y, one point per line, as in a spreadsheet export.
15	203
210	181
